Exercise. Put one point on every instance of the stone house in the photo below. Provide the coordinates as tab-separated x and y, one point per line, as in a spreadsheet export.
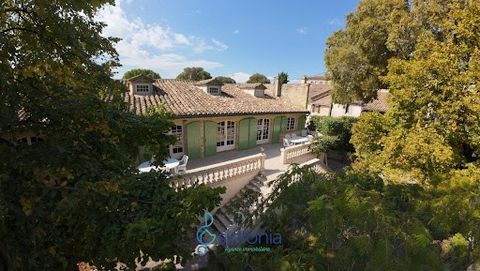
320	101
211	117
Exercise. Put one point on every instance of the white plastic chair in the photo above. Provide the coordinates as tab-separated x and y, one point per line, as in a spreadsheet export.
287	143
182	167
294	135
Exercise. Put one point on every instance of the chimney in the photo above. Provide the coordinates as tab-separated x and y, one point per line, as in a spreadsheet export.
305	79
277	88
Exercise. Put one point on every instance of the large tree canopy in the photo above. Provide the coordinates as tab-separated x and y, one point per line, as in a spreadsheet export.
357	56
146	72
194	74
258	78
431	127
76	195
225	80
411	199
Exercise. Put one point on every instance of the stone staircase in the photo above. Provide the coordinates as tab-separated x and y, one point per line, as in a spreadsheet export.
224	219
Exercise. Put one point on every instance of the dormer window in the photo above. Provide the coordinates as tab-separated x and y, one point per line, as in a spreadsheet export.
254	89
214	90
142	88
140	85
210	86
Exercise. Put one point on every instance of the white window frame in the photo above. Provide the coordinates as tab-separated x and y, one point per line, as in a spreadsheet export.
213	90
263	131
223	128
144	88
291	123
177	149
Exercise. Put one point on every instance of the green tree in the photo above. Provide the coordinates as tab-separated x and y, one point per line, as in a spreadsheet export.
76	195
282	78
194	74
353	221
225	80
258	78
357	56
335	133
411	199
429	129
146	72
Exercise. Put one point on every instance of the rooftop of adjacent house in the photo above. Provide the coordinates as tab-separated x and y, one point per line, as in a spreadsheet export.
380	104
316	77
188	99
320	96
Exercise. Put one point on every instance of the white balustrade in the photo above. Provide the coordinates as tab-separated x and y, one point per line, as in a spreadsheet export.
290	153
221	172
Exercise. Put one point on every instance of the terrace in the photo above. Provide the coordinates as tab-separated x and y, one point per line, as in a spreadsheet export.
236	169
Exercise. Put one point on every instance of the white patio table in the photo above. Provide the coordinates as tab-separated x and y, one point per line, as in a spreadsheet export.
169	165
299	139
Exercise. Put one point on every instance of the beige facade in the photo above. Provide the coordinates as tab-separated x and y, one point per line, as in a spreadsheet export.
236	119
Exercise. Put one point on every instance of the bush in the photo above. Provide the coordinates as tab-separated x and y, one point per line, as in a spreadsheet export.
335	133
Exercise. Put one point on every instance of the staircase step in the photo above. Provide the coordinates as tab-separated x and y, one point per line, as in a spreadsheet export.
219	226
223	220
253	187
228	217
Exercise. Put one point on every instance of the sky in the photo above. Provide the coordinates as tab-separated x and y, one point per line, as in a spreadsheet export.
225	37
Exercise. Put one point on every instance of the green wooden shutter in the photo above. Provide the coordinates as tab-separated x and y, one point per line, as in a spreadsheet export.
252	138
277	127
301	123
284	124
243	134
210	138
193	140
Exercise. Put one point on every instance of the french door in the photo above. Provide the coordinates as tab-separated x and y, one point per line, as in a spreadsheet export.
263	130
225	136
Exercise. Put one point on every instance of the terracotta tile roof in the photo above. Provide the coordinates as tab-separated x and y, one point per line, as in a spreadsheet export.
316	77
211	81
318	92
380	104
140	77
184	99
320	96
251	86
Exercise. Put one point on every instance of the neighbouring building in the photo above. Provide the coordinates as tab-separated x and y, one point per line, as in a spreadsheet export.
321	104
211	117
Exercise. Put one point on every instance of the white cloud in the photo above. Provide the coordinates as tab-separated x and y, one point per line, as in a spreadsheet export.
335	22
152	45
220	45
203	46
302	30
240	77
236	32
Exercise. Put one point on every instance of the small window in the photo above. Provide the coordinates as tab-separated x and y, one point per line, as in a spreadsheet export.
290	124
142	88
177	131
213	90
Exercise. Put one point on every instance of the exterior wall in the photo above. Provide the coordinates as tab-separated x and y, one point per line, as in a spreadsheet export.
354	110
296	94
338	110
324	111
351	110
184	122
